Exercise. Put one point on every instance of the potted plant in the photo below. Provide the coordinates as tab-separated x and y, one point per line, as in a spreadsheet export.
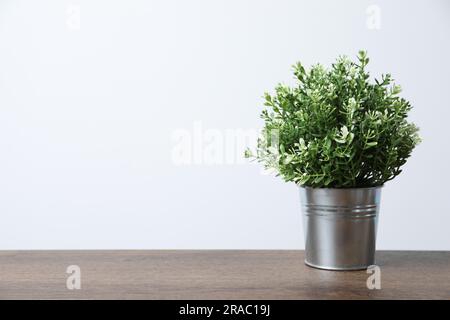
340	137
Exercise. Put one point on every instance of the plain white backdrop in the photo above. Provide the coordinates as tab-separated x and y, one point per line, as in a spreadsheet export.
92	93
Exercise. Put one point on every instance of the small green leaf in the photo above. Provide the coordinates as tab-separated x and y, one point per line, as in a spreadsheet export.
339	140
288	159
344	132
248	153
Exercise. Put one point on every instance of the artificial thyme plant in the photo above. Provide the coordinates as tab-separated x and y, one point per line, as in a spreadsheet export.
336	128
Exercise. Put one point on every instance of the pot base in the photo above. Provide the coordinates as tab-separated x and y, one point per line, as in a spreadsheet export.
355	268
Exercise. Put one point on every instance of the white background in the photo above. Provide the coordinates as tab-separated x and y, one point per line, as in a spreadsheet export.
89	104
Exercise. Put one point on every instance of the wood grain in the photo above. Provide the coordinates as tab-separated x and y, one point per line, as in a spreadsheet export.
216	275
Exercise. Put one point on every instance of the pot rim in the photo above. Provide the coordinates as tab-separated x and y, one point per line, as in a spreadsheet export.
354	188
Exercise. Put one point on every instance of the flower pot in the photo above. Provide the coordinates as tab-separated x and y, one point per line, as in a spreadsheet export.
340	227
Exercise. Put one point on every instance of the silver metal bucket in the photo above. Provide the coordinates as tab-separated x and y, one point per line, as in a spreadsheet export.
340	227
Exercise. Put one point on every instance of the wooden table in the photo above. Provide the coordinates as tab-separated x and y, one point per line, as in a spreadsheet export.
216	275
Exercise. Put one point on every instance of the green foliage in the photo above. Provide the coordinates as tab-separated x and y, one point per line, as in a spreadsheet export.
335	128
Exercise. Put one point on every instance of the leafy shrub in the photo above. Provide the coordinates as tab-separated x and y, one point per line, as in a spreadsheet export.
335	128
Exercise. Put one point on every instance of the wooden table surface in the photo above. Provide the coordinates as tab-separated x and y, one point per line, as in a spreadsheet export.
218	274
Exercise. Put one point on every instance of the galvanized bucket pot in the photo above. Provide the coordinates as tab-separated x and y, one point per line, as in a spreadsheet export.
340	227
